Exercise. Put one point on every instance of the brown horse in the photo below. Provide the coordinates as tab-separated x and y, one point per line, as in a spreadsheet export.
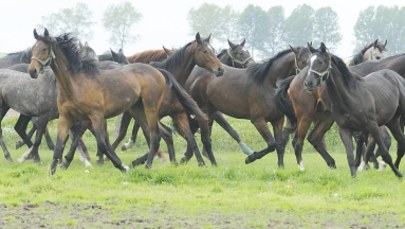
236	56
180	64
305	109
87	94
248	94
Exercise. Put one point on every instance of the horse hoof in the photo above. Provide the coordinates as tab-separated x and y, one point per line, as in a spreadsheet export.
19	144
183	161
249	159
100	162
9	159
201	164
124	168
136	163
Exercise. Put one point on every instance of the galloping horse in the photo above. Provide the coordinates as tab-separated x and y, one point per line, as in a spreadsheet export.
236	56
248	94
180	64
303	108
87	94
358	103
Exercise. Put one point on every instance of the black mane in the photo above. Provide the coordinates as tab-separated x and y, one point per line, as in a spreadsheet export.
71	49
359	57
349	79
259	70
172	61
221	53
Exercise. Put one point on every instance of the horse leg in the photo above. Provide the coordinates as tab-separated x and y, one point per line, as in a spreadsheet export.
396	131
21	126
261	126
220	119
64	125
100	131
48	138
185	131
303	125
3	112
316	138
278	135
76	132
370	151
30	133
346	136
132	139
33	151
205	129
123	127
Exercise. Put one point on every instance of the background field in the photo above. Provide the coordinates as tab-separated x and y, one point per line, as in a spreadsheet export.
232	195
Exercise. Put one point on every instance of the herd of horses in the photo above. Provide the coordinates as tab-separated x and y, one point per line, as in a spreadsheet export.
61	78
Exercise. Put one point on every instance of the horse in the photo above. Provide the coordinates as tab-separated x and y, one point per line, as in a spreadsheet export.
148	56
236	56
30	98
374	51
358	103
302	108
87	94
16	58
180	64
248	94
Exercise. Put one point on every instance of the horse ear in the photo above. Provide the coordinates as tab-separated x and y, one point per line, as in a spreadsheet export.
121	51
243	42
375	43
232	45
46	33
311	49
323	47
293	49
385	44
36	36
208	38
86	44
198	38
167	51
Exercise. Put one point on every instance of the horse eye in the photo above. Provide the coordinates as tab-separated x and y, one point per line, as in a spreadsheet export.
378	57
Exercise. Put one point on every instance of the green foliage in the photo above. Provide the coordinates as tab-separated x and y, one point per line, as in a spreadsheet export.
119	20
212	19
276	32
326	28
381	23
77	20
299	25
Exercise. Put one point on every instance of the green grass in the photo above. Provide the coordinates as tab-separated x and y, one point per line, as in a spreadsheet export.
258	189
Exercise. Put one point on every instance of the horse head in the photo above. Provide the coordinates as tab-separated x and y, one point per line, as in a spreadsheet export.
240	57
42	53
376	51
204	55
319	66
301	55
119	57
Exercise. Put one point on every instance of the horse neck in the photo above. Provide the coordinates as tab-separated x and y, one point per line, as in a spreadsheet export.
63	76
281	68
226	59
182	68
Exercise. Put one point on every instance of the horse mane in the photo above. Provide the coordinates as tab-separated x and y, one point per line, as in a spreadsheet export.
259	70
221	53
349	79
24	56
148	56
77	63
171	61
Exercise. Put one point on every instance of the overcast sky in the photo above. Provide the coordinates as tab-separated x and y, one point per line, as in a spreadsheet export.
163	22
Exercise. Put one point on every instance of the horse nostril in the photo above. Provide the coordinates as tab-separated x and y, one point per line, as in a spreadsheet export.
33	73
220	72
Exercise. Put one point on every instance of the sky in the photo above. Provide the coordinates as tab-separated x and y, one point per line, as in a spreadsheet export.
163	22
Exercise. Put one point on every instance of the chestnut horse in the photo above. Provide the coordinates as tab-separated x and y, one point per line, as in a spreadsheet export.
87	94
248	94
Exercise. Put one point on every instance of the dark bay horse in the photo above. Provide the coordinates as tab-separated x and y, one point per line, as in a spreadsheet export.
247	94
236	56
303	109
88	94
358	103
180	64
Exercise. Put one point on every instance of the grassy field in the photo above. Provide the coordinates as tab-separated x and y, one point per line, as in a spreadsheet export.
231	195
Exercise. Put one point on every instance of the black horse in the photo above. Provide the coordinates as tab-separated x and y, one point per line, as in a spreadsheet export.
358	103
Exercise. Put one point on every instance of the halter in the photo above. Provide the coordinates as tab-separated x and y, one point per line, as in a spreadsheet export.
234	60
325	74
297	69
46	62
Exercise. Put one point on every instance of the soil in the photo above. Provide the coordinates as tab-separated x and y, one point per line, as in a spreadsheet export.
54	215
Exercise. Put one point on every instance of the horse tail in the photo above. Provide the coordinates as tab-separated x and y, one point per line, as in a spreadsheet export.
189	104
283	100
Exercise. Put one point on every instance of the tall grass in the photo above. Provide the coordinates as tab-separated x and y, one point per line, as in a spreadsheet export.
258	189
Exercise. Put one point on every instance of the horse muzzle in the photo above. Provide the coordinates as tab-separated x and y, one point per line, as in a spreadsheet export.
219	72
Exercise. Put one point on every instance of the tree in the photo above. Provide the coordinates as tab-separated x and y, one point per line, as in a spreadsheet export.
76	20
381	23
275	39
212	19
326	28
253	24
298	26
119	19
